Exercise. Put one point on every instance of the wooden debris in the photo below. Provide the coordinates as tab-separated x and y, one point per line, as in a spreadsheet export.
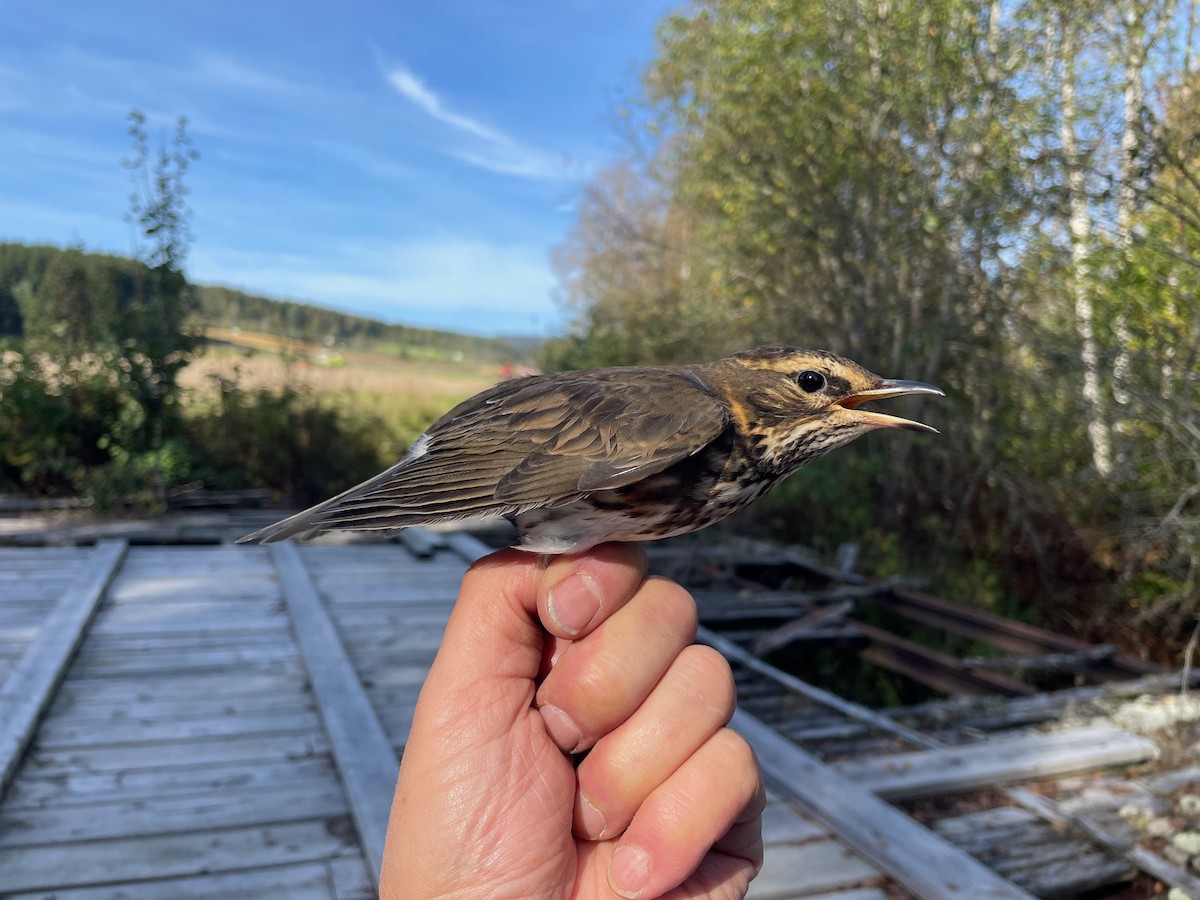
1076	661
813	626
1031	852
999	632
997	761
733	652
936	670
920	860
1138	856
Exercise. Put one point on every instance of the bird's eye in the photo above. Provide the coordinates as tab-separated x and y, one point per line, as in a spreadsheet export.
810	382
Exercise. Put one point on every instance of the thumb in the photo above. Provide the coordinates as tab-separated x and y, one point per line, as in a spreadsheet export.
490	654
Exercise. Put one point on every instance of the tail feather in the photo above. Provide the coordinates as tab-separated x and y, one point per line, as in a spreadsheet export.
411	492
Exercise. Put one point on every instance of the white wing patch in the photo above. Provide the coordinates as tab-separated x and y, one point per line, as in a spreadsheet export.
418	449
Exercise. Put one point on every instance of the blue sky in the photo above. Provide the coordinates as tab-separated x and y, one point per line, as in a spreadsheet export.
411	161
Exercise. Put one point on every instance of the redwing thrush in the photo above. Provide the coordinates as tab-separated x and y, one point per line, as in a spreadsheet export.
621	454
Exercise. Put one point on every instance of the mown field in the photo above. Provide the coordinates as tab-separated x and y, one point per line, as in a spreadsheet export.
406	395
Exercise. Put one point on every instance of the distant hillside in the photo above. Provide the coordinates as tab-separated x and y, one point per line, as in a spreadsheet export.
227	308
24	290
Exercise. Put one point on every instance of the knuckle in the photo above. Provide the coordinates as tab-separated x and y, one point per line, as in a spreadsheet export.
742	762
677	605
712	679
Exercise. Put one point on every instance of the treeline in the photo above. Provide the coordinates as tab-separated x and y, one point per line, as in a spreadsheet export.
1000	198
52	293
228	308
90	349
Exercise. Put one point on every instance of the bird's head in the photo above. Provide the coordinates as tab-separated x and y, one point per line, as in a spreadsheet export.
800	404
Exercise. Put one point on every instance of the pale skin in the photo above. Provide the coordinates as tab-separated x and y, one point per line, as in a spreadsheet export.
545	658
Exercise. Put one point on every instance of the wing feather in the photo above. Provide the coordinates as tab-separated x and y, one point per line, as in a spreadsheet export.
530	442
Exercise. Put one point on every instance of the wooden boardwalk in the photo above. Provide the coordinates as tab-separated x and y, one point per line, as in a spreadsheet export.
182	755
231	722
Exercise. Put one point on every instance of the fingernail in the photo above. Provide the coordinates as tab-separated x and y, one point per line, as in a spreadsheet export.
629	871
574	602
591	821
563	731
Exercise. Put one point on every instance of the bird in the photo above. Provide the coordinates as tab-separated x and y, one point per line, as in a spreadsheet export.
631	453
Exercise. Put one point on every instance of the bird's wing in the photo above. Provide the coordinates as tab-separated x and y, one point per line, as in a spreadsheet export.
530	442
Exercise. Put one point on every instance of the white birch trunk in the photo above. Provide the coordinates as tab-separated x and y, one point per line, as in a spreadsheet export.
1079	224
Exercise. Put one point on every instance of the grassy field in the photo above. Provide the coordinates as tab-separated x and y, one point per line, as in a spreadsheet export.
405	395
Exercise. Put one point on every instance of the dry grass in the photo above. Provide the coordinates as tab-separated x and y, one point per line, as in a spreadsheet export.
406	395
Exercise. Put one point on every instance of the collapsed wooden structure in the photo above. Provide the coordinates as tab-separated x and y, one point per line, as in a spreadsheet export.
211	720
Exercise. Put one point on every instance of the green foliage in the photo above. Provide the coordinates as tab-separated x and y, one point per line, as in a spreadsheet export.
60	420
922	186
75	430
158	201
286	440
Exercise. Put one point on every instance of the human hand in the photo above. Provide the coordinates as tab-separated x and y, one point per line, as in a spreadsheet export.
545	658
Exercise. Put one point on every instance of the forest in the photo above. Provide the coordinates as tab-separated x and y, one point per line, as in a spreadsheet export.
1001	198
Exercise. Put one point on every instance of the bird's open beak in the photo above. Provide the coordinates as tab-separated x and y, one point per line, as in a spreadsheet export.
889	388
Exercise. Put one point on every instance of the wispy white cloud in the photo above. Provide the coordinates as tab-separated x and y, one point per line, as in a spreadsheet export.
521	161
411	87
494	151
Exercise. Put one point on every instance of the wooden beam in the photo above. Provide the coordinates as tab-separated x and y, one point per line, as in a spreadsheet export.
364	756
936	670
811	626
467	545
29	688
736	654
928	865
997	631
421	542
903	776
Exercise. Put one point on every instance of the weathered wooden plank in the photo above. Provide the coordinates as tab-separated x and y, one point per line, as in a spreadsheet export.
985	820
351	880
137	709
989	628
783	825
361	748
179	687
467	545
1023	847
168	659
55	866
260	639
64	762
74	786
171	814
791	870
421	542
1140	857
63	733
940	671
150	669
998	761
213	621
922	861
27	691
